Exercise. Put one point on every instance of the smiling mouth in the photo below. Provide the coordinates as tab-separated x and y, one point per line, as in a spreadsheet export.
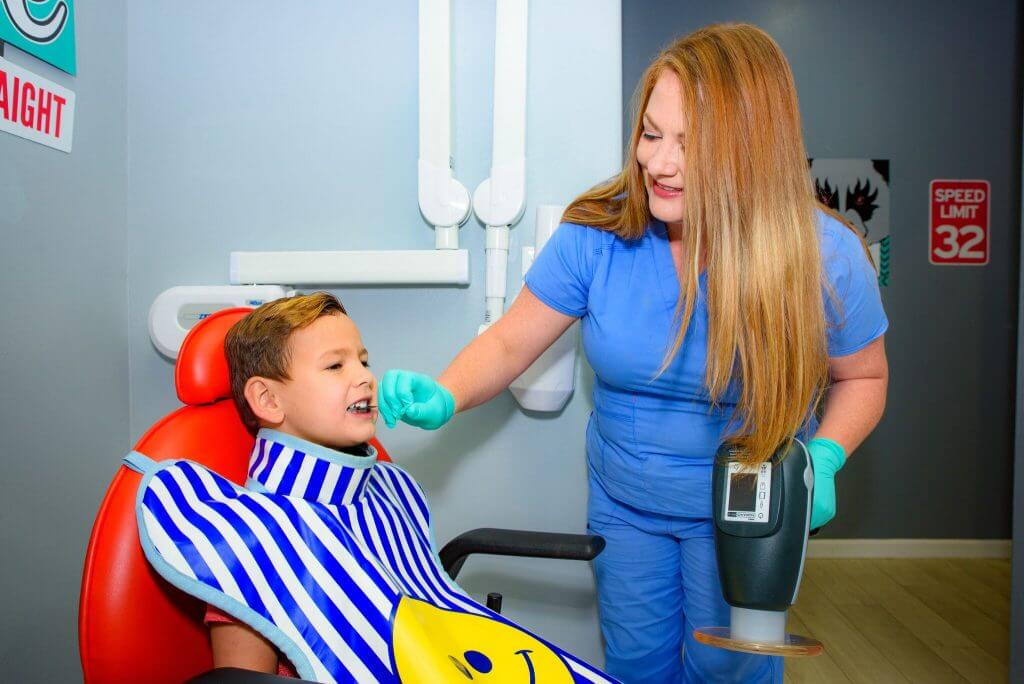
529	663
361	407
666	188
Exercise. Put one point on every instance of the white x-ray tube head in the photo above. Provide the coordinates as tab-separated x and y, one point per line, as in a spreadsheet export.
548	383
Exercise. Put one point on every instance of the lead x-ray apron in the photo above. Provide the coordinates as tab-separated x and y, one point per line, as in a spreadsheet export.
330	557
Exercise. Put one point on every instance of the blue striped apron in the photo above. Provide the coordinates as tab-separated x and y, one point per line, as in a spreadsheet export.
330	556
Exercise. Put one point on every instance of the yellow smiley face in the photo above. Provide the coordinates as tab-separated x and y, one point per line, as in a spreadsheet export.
431	644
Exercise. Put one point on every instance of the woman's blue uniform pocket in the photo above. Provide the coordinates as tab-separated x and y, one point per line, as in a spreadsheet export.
611	438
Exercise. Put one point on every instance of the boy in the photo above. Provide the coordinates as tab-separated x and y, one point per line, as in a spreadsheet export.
325	559
297	366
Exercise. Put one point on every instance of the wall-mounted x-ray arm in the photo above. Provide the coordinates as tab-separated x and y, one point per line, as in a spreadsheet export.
499	201
444	201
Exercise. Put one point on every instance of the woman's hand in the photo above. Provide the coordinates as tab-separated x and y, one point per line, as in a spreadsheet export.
414	398
853	407
827	458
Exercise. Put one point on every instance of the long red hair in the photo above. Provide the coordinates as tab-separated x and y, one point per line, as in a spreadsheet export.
750	218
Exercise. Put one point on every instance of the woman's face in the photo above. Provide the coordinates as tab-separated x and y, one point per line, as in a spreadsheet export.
660	149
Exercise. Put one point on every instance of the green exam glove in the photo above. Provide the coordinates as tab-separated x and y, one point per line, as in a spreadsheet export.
414	398
828	458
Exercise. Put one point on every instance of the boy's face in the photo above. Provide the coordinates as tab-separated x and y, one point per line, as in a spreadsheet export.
330	396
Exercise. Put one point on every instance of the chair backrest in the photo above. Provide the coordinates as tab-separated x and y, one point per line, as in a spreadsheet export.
132	625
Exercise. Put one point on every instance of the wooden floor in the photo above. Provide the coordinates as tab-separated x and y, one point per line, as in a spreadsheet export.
905	620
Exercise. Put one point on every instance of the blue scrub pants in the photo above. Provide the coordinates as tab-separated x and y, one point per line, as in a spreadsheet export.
657	579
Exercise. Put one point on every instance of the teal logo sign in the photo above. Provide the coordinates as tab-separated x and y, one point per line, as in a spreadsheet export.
43	28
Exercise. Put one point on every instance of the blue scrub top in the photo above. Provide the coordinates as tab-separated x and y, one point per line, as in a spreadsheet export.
651	441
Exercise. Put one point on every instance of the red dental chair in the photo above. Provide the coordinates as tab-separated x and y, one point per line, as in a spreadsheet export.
134	626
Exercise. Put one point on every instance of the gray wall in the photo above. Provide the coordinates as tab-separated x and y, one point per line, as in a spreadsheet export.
1017	588
935	88
265	130
63	351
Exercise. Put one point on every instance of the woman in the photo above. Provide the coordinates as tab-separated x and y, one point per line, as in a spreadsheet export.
718	301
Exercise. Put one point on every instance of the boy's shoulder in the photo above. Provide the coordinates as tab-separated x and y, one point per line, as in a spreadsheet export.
400	485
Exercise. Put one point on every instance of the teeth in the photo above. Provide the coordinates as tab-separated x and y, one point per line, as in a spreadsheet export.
363	405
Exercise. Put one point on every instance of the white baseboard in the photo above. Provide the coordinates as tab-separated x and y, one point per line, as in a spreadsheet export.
908	548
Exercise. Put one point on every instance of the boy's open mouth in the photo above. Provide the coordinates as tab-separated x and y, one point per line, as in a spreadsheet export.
361	406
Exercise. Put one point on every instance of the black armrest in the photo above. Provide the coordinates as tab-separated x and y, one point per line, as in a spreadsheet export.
518	543
234	675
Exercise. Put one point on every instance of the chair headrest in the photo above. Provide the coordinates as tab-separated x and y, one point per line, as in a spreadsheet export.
201	372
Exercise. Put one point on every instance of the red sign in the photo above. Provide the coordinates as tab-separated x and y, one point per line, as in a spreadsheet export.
959	222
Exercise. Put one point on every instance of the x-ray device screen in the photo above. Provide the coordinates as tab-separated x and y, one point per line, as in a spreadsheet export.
748	493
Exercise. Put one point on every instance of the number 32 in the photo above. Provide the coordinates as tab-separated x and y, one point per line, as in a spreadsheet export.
951	246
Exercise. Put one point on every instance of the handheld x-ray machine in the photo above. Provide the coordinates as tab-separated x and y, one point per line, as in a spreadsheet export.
762	519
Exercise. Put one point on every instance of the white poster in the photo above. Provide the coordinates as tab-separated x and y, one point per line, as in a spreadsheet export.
859	190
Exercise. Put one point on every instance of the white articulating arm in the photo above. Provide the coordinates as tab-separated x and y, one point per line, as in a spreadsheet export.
499	201
369	267
443	200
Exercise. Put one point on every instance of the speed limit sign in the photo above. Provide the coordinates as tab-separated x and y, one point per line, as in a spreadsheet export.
959	222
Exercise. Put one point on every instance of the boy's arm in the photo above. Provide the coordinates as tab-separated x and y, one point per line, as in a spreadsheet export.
238	645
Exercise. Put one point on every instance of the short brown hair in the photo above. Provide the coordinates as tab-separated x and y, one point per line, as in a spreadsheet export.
258	343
